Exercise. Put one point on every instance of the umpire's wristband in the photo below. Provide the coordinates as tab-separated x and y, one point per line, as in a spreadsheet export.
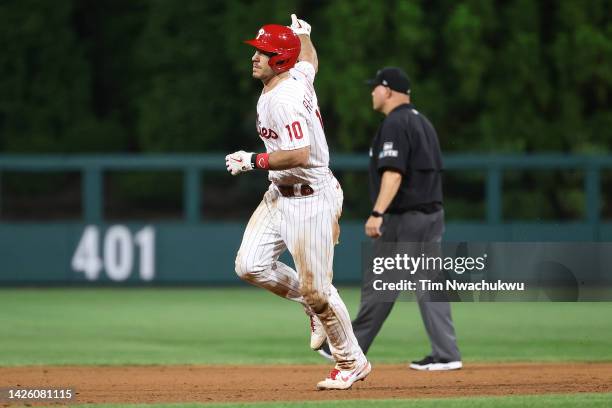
376	214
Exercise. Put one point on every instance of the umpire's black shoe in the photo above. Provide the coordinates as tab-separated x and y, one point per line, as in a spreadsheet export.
431	364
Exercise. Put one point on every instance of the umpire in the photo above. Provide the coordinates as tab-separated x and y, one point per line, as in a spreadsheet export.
406	192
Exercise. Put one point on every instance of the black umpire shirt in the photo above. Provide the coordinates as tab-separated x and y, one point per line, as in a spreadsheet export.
407	142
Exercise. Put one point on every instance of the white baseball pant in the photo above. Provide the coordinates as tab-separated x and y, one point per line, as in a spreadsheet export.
308	227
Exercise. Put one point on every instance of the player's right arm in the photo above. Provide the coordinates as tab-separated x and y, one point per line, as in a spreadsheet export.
307	52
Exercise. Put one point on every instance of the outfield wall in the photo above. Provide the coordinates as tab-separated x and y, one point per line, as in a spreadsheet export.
202	253
193	251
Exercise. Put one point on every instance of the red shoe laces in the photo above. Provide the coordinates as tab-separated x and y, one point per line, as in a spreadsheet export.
334	373
312	324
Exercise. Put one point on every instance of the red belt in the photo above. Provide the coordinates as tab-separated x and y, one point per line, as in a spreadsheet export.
289	191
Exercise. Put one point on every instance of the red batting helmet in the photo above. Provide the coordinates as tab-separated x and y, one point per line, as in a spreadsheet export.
282	42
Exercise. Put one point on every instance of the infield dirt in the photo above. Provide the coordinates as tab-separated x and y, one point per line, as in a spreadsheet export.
167	384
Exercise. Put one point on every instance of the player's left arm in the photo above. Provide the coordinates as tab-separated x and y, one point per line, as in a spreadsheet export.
308	52
288	159
293	142
241	161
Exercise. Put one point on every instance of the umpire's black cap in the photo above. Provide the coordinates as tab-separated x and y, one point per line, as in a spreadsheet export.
392	77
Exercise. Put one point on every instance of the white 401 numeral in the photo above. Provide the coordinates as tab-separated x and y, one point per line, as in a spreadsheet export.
145	239
118	259
85	258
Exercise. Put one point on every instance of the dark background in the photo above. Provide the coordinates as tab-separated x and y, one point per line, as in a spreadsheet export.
137	76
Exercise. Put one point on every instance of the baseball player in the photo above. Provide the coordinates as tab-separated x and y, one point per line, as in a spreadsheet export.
301	208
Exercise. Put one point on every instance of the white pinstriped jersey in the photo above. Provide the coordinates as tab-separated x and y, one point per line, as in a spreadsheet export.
288	118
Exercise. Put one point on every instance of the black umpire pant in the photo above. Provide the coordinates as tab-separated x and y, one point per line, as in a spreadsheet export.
411	226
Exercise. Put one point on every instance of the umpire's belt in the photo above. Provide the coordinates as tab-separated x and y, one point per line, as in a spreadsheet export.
295	190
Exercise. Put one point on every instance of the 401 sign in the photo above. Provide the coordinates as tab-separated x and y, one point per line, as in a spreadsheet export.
118	247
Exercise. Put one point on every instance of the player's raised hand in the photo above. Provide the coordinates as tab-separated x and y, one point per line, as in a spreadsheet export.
238	162
299	26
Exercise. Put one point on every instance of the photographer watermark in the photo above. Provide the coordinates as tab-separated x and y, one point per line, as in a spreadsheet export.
412	264
490	271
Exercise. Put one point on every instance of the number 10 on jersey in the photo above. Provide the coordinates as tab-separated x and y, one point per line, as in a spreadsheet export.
295	130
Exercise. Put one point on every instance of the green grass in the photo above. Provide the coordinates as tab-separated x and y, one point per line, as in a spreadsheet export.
550	401
240	326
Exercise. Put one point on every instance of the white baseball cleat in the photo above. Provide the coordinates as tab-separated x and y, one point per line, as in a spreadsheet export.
344	379
317	333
